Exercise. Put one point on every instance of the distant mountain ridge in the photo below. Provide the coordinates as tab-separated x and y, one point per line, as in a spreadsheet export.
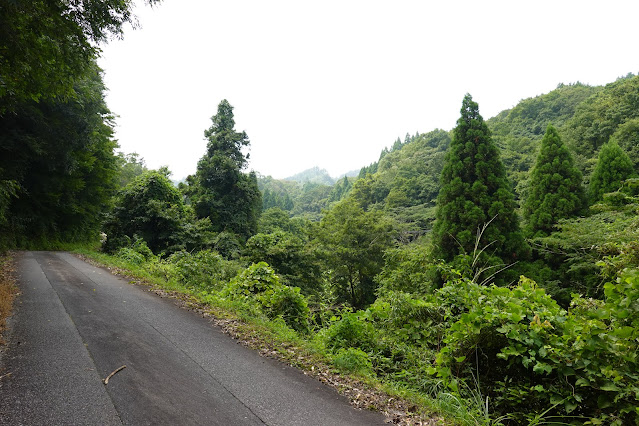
352	173
321	176
312	175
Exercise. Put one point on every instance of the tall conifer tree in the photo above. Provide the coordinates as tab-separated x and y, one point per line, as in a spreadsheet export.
555	187
613	167
475	191
221	191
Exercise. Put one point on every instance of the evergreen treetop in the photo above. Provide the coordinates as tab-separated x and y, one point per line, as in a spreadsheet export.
555	187
613	167
475	191
223	140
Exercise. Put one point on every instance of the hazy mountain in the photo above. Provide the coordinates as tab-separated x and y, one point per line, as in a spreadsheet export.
313	175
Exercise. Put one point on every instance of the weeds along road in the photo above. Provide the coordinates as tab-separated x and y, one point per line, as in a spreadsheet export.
74	324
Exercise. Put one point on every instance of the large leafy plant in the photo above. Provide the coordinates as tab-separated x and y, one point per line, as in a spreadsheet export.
526	351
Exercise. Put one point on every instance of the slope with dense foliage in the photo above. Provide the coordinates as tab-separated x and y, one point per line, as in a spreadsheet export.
518	131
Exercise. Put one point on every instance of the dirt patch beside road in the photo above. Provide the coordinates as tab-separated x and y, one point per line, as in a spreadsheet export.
8	290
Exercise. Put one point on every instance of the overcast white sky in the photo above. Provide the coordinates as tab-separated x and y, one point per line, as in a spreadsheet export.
331	83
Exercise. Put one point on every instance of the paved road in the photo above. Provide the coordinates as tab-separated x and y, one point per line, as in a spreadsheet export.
75	323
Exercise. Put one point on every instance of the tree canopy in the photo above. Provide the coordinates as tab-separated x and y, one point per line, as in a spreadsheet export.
64	35
518	131
613	110
149	208
57	165
355	241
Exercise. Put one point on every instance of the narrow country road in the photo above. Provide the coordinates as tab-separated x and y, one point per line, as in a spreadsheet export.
75	323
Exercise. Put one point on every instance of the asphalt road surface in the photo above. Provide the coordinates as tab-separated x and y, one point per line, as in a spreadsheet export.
74	324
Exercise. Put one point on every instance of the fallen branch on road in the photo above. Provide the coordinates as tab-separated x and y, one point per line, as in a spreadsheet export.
113	374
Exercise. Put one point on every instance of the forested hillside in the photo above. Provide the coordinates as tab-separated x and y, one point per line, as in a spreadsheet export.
405	180
489	272
303	195
518	131
556	151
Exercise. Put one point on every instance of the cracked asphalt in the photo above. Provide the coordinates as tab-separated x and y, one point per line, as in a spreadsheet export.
75	323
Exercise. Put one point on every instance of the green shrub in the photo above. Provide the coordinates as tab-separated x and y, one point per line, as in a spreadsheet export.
205	269
409	318
617	199
409	329
140	246
131	256
287	303
114	242
227	244
350	331
150	207
137	253
532	356
622	256
408	268
353	360
254	280
258	284
161	269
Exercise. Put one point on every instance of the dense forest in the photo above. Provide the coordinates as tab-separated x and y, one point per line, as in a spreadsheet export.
496	262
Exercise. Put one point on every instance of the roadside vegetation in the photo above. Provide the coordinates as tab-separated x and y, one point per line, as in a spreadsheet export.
483	275
253	324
